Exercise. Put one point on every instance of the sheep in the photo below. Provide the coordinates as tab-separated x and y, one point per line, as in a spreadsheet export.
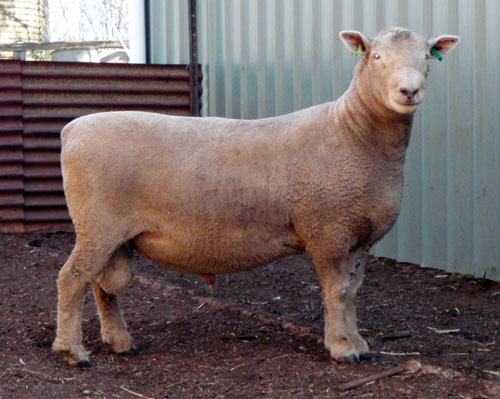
214	195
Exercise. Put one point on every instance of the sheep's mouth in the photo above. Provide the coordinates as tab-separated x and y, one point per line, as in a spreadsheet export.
410	103
406	103
405	107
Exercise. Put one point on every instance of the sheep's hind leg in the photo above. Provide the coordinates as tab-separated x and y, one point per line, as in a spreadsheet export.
113	280
72	284
113	327
339	339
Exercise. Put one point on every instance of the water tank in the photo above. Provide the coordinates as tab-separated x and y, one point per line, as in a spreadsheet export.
23	21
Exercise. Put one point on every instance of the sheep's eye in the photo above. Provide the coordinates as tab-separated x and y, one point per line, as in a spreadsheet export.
427	56
376	56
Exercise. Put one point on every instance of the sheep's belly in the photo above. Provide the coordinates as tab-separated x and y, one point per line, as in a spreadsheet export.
208	258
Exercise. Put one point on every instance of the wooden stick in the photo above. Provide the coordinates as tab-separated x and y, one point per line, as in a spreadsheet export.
400	353
177	383
374	377
139	395
397	335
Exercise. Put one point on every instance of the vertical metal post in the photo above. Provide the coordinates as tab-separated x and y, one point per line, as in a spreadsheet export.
193	59
147	21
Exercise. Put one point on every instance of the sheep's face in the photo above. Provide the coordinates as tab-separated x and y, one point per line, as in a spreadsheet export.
396	63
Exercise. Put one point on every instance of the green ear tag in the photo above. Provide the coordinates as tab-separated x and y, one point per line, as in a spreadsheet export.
359	51
436	54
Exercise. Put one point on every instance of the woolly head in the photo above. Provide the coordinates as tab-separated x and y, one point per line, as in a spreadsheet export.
395	64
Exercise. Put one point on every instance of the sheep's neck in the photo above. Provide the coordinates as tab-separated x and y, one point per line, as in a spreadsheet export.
371	124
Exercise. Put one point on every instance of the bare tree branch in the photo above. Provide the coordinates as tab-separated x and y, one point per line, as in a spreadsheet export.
89	20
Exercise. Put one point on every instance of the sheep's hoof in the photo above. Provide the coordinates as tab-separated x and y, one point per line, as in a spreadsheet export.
77	357
74	361
121	342
352	359
131	352
83	364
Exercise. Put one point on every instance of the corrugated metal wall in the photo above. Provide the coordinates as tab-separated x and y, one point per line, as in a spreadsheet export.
38	98
11	148
264	58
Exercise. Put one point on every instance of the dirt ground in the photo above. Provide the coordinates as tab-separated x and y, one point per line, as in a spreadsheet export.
254	335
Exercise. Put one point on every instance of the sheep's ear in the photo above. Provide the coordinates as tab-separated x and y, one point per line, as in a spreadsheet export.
353	39
442	44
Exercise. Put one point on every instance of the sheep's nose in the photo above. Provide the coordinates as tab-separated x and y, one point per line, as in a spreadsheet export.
408	93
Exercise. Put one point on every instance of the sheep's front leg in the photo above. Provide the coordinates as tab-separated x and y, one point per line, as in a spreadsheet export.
341	336
355	264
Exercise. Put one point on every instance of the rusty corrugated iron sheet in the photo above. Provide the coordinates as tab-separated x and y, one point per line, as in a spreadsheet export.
38	98
11	148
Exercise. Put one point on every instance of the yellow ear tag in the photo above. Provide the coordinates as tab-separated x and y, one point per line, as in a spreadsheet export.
359	51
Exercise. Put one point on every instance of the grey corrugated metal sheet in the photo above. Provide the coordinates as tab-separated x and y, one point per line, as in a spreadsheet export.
264	58
38	98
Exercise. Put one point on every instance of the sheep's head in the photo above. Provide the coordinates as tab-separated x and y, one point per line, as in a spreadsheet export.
395	64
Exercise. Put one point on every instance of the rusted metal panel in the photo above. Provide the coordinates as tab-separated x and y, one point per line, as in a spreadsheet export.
37	99
11	148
